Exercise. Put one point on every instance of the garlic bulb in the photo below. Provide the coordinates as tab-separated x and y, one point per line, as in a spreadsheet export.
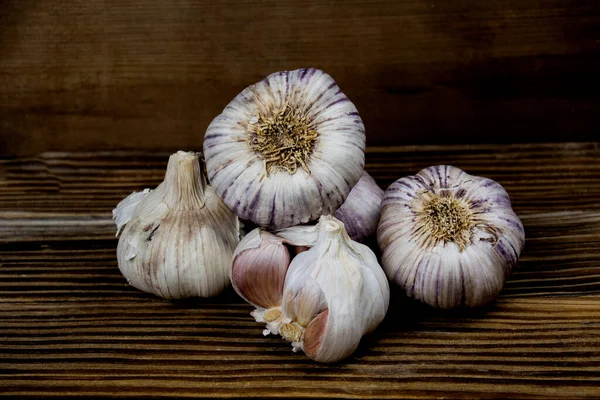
178	240
286	150
448	238
361	211
325	299
334	293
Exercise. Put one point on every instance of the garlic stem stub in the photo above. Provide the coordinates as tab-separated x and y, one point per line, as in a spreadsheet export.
361	211
286	150
449	239
177	241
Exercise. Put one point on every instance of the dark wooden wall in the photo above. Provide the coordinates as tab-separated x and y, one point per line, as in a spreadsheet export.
128	74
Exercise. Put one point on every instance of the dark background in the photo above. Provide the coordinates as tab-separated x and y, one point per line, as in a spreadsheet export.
125	74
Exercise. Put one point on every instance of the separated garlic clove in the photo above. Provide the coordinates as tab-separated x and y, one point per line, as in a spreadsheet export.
286	150
260	263
334	293
179	239
361	211
448	238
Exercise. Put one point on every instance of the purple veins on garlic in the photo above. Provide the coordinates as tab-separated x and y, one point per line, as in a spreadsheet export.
177	240
333	293
286	150
449	239
361	211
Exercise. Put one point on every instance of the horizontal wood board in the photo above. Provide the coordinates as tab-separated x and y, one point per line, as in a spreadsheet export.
123	74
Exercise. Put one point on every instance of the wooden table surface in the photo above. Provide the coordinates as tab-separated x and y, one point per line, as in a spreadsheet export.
71	326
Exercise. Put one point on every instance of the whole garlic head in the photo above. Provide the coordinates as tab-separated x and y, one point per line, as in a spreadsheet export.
178	240
286	150
334	293
448	238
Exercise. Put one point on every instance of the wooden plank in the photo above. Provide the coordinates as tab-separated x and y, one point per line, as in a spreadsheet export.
70	326
106	74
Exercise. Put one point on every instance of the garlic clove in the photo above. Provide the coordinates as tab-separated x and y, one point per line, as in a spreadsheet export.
286	150
180	237
314	333
448	238
334	293
259	266
361	211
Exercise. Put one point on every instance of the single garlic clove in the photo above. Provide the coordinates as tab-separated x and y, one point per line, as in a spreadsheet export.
179	240
286	150
361	211
260	263
448	238
334	293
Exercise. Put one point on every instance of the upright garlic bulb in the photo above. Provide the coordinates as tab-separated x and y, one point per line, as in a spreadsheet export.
178	239
286	150
334	293
361	211
448	238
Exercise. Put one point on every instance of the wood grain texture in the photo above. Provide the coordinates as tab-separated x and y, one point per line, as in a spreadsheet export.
106	74
70	326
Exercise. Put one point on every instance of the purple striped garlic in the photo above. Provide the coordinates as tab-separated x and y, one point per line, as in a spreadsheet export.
286	150
177	241
361	211
449	239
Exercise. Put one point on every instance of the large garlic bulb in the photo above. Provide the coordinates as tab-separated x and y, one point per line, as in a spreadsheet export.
178	240
286	150
448	238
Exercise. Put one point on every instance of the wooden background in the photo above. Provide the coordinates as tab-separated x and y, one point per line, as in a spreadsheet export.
94	94
146	75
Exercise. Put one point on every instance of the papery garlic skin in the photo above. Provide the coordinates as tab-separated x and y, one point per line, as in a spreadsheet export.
286	150
180	238
448	238
361	211
126	208
334	293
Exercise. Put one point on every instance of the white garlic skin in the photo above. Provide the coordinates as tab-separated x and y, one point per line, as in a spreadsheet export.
335	293
361	211
271	196
179	240
440	272
126	208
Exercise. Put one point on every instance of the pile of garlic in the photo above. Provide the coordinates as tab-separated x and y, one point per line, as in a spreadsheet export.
287	156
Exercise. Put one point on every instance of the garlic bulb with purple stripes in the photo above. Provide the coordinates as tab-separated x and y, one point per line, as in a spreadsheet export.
286	150
177	240
449	239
